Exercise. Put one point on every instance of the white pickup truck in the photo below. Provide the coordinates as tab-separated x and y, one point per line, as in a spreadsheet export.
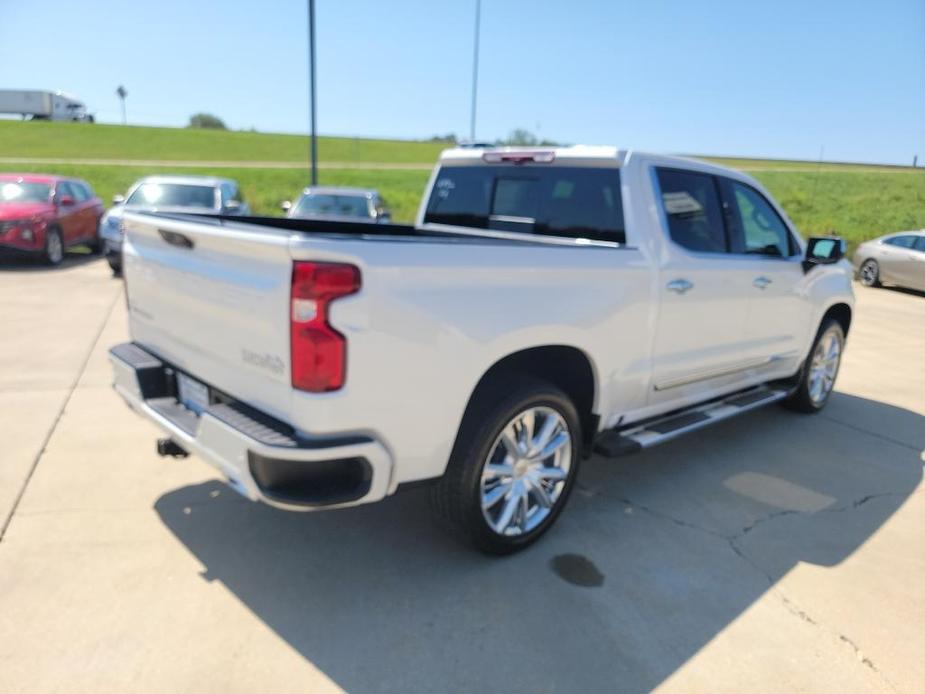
546	304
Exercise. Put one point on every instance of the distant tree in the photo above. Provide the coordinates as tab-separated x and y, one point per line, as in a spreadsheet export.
206	120
449	138
521	137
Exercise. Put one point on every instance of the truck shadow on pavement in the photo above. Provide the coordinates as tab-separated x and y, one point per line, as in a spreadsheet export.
683	539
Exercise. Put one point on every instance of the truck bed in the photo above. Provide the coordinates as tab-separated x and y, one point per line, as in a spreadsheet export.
211	297
327	227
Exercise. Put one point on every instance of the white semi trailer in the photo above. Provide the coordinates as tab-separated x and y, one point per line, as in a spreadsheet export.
36	104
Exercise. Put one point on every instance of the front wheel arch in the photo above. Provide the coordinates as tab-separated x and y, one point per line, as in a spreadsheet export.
839	312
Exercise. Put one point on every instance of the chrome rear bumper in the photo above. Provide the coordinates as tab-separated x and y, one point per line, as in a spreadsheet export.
262	458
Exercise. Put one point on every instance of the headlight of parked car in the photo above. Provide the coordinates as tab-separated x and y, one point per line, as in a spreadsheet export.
111	227
26	228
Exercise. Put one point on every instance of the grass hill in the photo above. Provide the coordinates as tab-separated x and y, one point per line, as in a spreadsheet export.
857	201
97	141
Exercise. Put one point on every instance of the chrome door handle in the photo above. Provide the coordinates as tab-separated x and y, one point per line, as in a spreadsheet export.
679	286
762	282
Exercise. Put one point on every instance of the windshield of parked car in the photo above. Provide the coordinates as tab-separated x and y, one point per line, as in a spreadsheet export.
324	205
172	195
553	201
18	191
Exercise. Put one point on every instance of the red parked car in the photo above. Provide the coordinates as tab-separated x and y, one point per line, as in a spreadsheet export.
44	215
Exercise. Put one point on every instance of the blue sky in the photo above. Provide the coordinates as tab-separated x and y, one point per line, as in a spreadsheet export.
777	79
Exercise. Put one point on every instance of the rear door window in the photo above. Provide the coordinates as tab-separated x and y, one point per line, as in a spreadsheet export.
692	207
920	244
570	202
901	241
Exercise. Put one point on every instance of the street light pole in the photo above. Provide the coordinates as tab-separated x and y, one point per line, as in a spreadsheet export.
311	79
475	71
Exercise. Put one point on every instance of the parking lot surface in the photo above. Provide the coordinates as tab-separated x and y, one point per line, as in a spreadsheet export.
772	552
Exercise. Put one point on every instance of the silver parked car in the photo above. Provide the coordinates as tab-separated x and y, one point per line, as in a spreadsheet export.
169	194
893	259
340	204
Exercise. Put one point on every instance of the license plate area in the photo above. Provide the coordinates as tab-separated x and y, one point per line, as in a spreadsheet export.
192	394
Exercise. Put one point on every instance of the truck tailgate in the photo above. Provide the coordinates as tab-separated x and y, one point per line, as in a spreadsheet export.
213	300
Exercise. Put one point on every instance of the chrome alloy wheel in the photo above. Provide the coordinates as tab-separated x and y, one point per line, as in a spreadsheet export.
824	366
55	249
869	272
526	471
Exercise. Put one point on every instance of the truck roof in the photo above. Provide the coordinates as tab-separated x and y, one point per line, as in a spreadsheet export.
578	155
573	154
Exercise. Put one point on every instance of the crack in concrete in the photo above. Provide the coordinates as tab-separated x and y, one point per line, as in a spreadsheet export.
671	519
838	509
57	420
791	607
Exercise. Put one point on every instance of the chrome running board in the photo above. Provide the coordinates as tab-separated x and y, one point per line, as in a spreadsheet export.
614	443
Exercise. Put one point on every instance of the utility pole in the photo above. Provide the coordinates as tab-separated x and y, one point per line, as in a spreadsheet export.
475	71
311	80
121	93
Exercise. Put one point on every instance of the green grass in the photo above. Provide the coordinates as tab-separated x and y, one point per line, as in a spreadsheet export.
86	141
857	205
856	201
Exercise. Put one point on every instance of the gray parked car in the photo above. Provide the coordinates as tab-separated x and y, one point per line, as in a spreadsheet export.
169	194
339	203
893	259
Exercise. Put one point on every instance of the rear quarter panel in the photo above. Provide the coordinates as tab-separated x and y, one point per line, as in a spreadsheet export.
433	316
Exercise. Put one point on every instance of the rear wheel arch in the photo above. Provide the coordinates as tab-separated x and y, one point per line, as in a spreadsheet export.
566	367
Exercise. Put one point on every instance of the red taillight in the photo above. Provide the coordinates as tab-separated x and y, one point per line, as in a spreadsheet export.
318	352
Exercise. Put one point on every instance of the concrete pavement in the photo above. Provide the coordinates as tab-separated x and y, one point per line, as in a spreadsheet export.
773	552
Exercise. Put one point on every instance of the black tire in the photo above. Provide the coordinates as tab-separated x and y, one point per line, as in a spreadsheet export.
54	247
457	497
802	399
115	265
869	274
96	244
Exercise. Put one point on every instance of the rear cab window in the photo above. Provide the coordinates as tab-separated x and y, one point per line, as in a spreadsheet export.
563	201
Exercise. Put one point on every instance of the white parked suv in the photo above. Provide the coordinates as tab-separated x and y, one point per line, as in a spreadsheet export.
546	304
